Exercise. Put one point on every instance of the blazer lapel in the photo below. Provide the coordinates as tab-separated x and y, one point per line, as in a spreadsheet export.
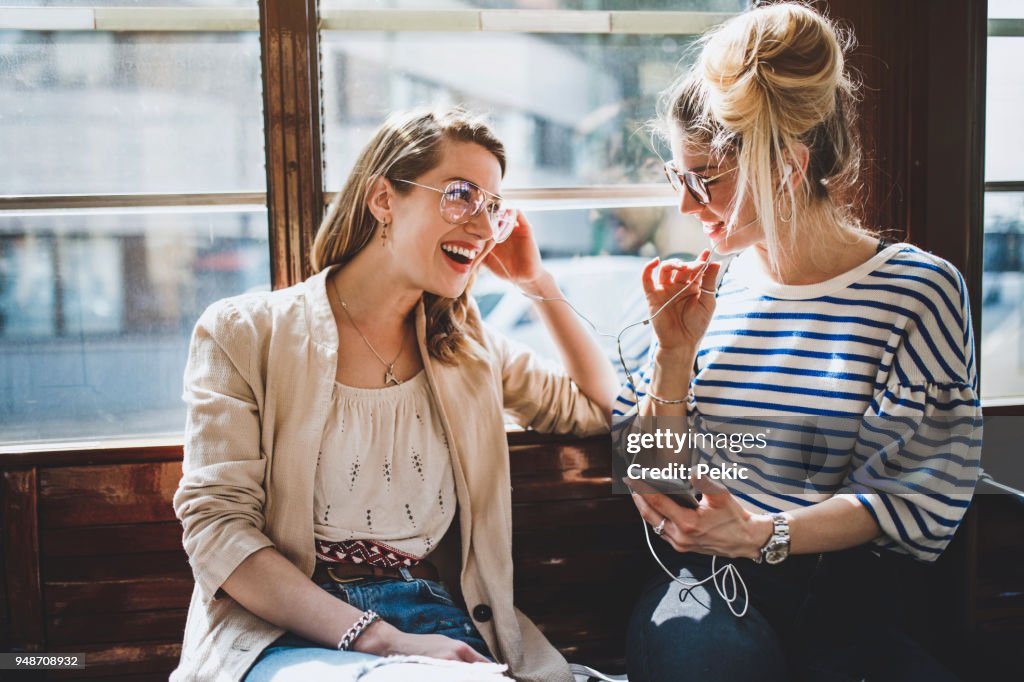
441	379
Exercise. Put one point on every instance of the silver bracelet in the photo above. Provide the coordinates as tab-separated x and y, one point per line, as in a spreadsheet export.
663	401
359	627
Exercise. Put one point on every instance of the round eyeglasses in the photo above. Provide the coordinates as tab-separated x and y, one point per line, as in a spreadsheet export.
461	201
697	185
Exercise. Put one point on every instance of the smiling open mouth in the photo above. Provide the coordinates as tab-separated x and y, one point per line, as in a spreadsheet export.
459	254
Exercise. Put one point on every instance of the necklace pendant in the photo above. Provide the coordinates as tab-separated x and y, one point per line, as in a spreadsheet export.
390	378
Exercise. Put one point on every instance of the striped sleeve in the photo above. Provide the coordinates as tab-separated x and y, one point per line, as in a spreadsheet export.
917	456
636	379
624	409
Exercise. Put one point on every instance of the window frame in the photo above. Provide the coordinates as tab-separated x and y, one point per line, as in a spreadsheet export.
999	28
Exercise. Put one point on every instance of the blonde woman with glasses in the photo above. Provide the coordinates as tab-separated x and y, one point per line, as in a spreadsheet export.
853	358
340	429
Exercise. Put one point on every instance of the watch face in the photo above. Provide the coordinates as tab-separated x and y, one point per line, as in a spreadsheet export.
776	552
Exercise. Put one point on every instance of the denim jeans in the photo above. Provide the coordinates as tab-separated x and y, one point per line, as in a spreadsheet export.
415	606
830	617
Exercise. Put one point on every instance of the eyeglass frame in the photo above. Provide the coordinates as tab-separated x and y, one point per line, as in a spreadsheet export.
443	192
671	169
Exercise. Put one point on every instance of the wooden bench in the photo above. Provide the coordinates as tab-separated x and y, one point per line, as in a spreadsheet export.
94	564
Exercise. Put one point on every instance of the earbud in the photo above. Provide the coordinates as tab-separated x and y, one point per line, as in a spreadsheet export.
787	170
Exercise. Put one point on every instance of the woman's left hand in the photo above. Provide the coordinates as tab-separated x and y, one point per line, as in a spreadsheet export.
718	526
520	257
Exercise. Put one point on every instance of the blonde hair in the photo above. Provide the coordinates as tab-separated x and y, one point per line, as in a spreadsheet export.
405	147
767	80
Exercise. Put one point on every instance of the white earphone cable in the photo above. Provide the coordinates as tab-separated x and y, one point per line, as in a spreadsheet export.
727	580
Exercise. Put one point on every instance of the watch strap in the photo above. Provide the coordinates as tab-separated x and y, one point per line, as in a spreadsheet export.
779	538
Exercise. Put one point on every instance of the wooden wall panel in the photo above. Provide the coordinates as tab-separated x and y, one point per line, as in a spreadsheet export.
117	567
71	632
112	570
56	543
21	561
140	660
569	514
118	596
111	494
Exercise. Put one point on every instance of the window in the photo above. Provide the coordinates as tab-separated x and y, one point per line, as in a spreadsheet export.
569	90
132	197
1002	341
134	193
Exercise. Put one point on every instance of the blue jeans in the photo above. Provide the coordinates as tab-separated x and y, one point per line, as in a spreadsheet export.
421	607
814	618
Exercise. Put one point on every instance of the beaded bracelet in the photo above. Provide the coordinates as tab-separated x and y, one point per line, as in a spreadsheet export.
359	627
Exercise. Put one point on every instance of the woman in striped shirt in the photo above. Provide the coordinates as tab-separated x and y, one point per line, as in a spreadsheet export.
853	359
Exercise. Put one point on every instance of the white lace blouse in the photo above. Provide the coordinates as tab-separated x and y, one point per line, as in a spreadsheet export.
384	471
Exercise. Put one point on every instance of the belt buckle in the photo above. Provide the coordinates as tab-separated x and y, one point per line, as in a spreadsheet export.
330	572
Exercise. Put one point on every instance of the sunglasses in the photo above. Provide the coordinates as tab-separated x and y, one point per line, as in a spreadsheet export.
461	201
697	185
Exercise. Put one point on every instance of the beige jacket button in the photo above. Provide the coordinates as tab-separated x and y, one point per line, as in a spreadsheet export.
482	613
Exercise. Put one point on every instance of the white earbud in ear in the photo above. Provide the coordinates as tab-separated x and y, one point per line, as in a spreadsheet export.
787	170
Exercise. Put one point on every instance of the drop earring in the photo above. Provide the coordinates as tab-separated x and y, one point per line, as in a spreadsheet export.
789	218
383	234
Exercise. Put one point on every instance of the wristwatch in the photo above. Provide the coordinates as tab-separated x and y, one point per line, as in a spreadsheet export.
776	549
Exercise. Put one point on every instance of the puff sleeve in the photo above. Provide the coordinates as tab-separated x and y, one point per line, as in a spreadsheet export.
918	452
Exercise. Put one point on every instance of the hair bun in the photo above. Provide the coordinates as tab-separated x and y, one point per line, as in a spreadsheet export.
783	61
772	91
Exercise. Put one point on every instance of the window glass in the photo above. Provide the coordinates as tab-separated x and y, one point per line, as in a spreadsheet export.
1005	9
1002	314
570	111
119	113
96	312
1004	134
571	108
29	268
596	256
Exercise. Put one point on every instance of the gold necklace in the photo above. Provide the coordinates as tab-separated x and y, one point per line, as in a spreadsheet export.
389	367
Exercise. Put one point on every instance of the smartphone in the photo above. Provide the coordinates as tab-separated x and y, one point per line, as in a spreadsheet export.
681	493
684	498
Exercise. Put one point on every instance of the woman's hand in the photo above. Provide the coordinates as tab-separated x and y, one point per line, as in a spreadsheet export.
718	526
682	324
382	639
517	259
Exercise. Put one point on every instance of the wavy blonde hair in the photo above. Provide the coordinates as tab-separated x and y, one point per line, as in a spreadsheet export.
767	80
406	146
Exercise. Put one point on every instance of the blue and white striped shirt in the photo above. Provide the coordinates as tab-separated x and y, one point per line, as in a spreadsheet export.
867	380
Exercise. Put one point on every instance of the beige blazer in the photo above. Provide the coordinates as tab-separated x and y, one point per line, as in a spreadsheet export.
258	383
